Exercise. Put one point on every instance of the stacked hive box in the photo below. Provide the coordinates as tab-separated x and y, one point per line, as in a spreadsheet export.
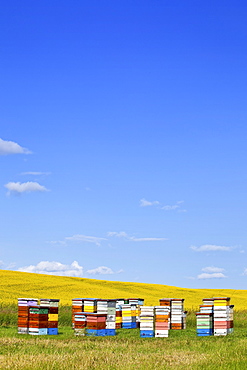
166	302
177	312
111	317
130	312
162	321
108	307
23	313
96	324
80	323
83	305
208	301
118	317
134	313
77	306
221	313
126	316
102	306
205	318
147	322
90	305
204	323
52	305
38	320
138	302
221	316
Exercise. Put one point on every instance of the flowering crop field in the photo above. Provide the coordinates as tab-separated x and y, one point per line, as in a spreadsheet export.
16	284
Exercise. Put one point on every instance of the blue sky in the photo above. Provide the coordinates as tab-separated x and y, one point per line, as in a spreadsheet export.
123	140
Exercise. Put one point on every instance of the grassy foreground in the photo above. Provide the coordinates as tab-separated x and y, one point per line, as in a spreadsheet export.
182	350
16	284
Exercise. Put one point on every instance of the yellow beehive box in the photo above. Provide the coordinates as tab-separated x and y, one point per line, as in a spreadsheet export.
52	317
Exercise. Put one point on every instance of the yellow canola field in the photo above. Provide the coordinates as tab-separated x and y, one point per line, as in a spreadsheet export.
14	284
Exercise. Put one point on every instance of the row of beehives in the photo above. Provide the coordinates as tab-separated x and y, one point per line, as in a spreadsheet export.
215	317
38	316
100	317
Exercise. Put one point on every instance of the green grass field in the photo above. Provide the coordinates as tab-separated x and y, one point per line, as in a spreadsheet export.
182	350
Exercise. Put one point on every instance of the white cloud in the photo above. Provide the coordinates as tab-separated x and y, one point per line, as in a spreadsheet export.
25	187
212	269
85	238
215	275
124	235
146	203
245	272
210	247
10	147
103	270
54	268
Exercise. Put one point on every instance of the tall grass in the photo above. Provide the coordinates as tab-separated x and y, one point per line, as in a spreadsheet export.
9	315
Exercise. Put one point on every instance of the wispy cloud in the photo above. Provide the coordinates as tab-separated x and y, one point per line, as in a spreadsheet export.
215	275
80	238
85	238
124	235
172	207
103	270
36	173
210	247
10	147
147	203
54	268
212	269
8	266
25	187
177	206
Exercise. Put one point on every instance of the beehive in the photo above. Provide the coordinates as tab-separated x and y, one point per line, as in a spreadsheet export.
162	321
147	327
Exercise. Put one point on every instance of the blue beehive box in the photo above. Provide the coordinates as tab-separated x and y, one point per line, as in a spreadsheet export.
204	332
101	332
42	332
146	333
52	331
110	332
126	325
